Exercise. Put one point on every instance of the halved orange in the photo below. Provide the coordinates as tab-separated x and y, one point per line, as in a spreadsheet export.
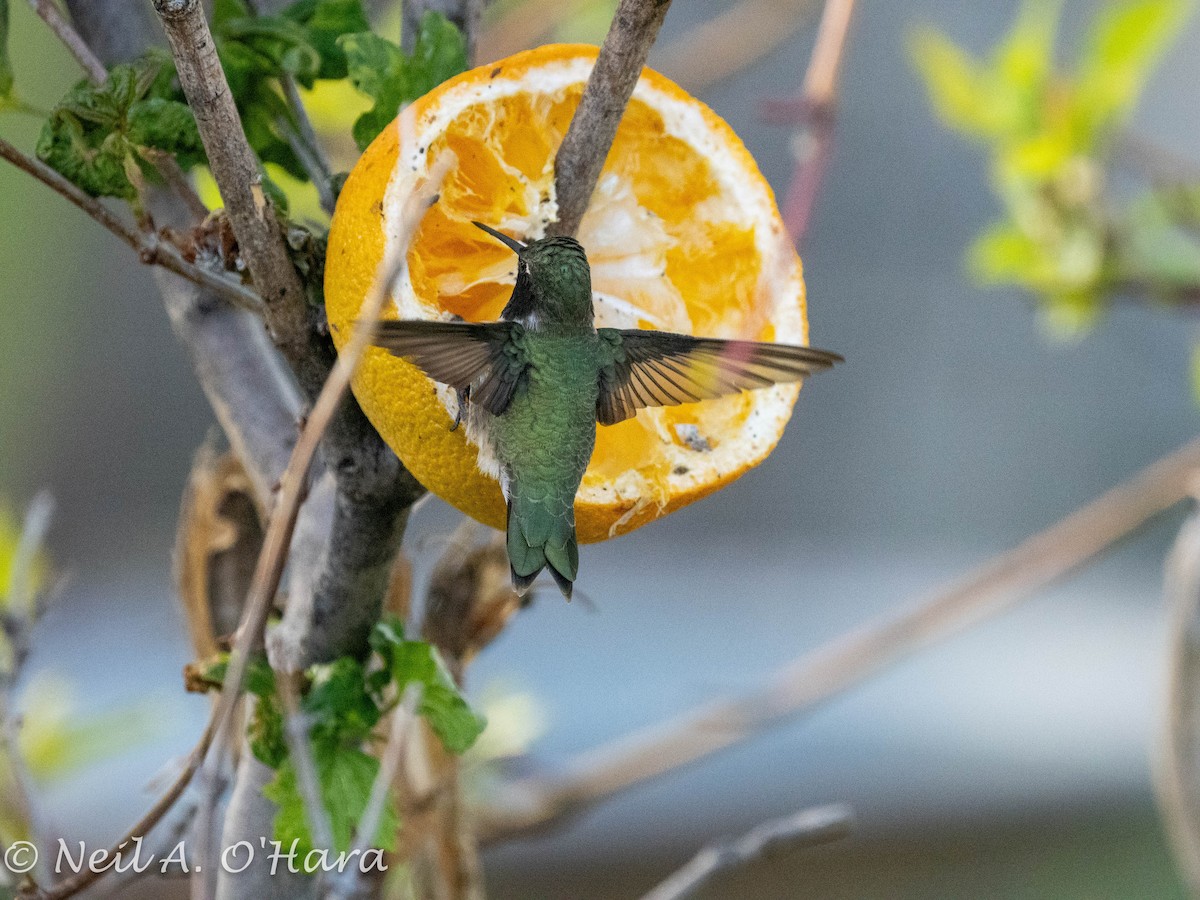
682	233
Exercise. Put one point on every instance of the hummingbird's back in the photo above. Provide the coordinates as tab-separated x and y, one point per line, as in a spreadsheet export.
543	443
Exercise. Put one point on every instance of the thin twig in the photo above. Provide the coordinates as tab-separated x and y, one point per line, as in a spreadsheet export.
802	829
812	679
1177	760
88	875
150	248
346	884
295	732
235	168
71	39
303	140
815	111
622	56
734	40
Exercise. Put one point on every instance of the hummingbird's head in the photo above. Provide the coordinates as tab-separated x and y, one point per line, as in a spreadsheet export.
554	281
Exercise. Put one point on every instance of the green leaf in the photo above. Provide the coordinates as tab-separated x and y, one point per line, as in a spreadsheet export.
265	733
1126	41
962	89
338	702
1155	250
346	776
91	158
447	711
440	53
1025	58
169	126
326	21
6	72
1003	253
378	69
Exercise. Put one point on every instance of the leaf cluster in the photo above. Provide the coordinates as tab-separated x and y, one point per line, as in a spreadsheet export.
103	137
345	701
1053	136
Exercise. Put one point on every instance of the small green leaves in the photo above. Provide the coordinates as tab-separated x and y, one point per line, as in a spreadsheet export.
98	136
444	708
346	776
380	70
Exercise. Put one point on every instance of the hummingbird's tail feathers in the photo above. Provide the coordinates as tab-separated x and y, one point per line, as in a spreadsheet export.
539	537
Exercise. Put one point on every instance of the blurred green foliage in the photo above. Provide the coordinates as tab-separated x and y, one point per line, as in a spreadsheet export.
1053	137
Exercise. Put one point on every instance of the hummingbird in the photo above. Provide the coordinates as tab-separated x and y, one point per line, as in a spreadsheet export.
535	384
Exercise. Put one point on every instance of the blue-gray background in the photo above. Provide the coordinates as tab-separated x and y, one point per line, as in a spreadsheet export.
1012	762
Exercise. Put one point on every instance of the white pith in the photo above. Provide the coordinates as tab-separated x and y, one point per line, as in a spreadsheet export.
609	231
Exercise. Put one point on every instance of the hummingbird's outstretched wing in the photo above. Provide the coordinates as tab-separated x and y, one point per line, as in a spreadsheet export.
487	362
658	368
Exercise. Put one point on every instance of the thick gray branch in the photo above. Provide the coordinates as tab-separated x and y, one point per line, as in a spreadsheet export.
594	125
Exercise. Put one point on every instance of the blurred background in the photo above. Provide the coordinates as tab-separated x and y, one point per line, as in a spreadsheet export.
1014	761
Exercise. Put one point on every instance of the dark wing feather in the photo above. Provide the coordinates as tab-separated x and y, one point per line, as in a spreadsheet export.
485	361
658	368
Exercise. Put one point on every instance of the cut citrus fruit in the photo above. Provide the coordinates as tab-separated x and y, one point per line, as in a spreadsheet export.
682	233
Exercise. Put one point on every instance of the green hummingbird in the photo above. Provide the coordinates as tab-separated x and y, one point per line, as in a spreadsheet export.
534	385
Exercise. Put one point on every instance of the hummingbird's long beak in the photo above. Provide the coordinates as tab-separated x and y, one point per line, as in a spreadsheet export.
512	243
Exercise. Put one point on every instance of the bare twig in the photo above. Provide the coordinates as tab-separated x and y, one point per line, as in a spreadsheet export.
1177	762
579	160
348	883
803	829
88	875
88	61
815	111
303	140
295	732
810	680
150	248
235	168
732	41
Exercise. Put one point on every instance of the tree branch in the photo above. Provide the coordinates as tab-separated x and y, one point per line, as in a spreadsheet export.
70	38
235	168
150	248
803	829
810	680
581	157
815	112
732	41
1177	757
